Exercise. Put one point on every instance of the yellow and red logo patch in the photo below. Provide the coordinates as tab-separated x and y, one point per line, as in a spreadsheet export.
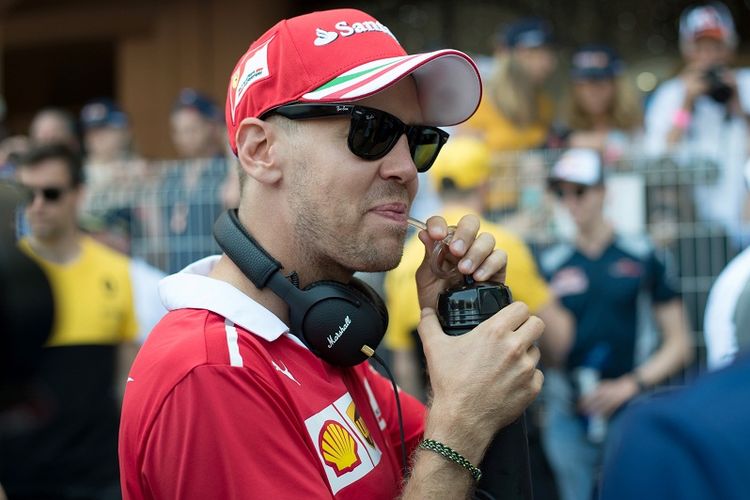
344	444
338	447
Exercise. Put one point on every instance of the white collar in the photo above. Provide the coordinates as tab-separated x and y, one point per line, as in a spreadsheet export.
192	288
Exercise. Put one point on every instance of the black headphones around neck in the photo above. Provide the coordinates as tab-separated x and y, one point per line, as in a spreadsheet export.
334	320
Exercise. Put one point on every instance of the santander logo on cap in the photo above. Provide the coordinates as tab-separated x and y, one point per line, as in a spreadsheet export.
344	29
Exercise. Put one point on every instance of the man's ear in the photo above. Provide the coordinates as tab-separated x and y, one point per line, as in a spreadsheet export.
256	150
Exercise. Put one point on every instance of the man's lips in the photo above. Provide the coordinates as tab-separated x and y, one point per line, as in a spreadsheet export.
394	211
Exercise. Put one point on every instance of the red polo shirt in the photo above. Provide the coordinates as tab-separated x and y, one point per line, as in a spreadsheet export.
222	402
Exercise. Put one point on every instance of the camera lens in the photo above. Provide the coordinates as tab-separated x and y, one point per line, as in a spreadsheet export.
718	90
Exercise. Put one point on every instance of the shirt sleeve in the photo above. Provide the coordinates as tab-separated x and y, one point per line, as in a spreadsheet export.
223	433
660	112
522	275
412	410
664	282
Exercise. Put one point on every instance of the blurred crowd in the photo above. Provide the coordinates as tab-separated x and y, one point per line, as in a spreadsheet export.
626	224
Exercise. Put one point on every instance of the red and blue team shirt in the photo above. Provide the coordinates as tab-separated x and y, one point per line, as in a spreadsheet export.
222	402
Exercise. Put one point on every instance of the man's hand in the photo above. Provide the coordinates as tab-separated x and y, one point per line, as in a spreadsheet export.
695	85
609	396
474	254
482	380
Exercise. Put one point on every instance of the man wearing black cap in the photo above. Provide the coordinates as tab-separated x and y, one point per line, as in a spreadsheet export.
331	120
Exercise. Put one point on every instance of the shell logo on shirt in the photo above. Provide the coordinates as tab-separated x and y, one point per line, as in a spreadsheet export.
338	447
343	442
355	417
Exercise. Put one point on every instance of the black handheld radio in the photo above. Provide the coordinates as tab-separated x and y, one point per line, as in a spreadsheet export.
506	465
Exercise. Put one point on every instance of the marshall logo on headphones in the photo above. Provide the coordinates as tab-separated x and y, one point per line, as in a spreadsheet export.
332	339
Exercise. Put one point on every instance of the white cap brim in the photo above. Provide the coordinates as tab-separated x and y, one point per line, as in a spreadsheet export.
448	84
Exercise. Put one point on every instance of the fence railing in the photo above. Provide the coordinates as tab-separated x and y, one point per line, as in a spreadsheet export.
163	212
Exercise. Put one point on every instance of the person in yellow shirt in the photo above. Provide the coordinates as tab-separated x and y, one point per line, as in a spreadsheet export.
72	452
516	112
460	175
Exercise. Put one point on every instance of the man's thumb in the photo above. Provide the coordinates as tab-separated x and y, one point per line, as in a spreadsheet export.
429	324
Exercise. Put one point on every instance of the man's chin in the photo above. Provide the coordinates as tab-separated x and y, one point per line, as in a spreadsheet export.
381	263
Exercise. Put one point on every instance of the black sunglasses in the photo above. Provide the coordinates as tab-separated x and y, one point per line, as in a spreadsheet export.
373	133
51	194
578	191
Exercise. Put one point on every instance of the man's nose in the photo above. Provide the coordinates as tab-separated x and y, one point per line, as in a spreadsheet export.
398	163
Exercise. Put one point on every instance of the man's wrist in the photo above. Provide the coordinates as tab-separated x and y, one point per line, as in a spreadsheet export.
451	427
640	383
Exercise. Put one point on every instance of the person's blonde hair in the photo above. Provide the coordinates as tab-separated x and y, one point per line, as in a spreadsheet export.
624	113
511	91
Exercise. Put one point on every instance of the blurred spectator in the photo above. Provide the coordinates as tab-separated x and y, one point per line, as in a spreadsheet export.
84	364
603	113
119	201
603	280
11	149
701	115
54	125
689	445
106	132
26	314
193	188
115	176
197	126
515	113
460	175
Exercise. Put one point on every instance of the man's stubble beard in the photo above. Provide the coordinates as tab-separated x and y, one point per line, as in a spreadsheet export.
331	247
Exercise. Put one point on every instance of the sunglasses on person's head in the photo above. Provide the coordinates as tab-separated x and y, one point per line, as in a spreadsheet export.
577	191
49	194
373	133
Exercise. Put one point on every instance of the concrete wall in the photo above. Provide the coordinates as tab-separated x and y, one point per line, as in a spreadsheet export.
157	48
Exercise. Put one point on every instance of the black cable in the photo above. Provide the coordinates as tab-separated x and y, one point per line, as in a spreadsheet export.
398	407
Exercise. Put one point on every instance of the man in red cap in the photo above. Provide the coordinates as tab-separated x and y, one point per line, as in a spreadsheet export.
231	396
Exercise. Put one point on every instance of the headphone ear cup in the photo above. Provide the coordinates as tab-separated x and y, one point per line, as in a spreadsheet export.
339	320
374	298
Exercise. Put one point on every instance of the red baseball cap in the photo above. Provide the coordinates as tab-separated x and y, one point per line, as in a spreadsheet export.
345	55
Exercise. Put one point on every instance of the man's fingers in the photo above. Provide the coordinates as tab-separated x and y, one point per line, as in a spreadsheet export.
531	330
493	267
476	253
465	236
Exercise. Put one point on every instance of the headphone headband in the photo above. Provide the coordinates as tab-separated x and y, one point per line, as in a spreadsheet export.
252	259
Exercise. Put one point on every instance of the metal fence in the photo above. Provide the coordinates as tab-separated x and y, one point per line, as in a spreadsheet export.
163	212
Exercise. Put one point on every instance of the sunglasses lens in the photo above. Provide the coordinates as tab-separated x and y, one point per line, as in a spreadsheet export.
373	134
425	144
51	194
576	192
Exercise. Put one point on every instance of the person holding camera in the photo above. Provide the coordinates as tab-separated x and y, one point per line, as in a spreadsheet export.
701	115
